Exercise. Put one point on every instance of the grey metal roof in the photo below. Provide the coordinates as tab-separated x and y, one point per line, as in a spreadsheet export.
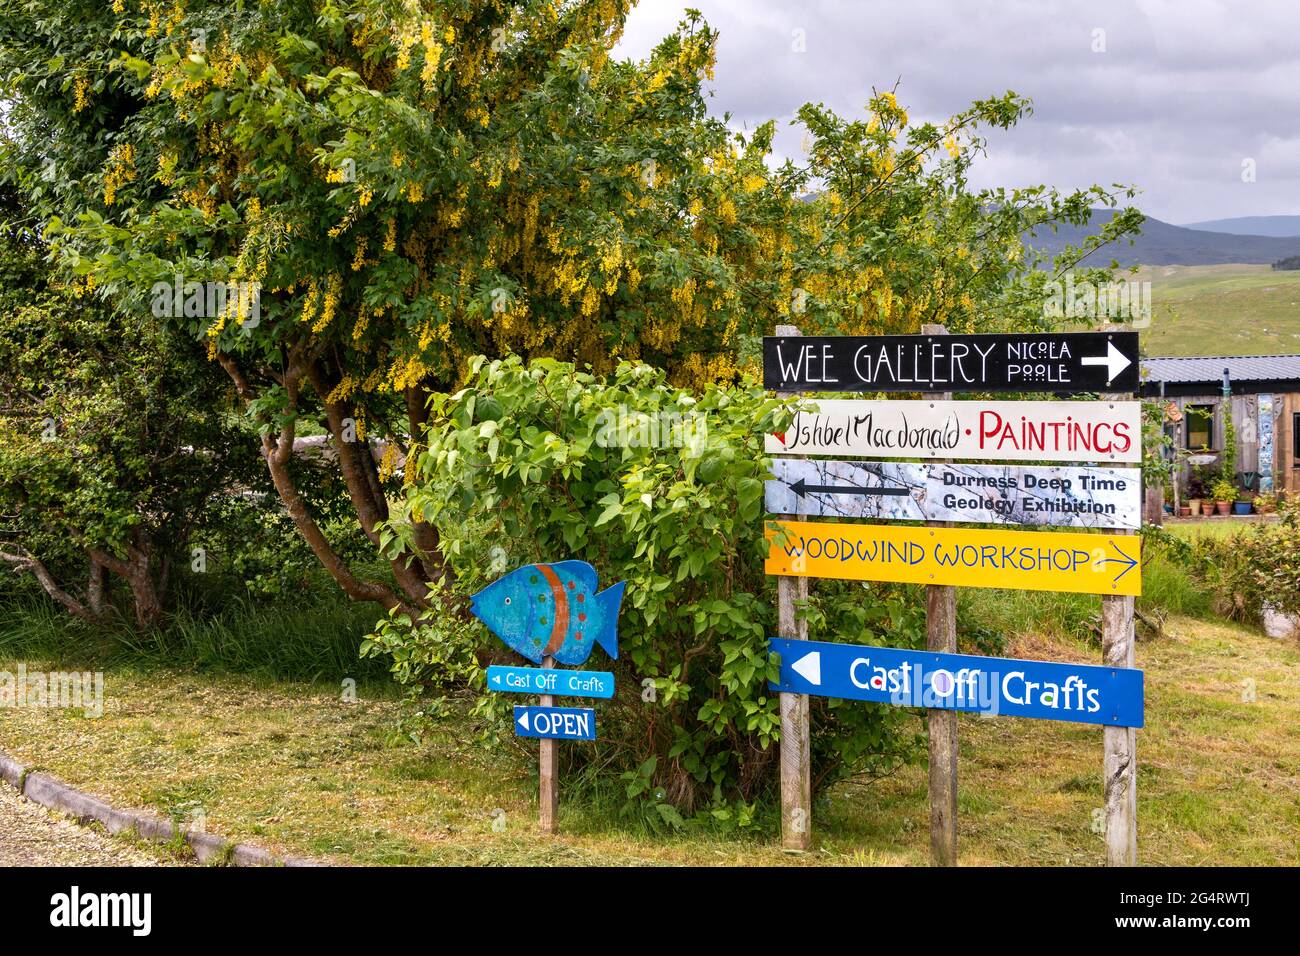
1241	368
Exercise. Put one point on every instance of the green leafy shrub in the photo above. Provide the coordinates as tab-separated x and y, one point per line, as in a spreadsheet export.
661	488
116	440
1255	567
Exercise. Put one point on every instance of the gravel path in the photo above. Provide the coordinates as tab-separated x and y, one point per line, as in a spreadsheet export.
30	835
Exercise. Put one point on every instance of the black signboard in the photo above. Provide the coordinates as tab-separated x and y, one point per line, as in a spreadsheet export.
1052	362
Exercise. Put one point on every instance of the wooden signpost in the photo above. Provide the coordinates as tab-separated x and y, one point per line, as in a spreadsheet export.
1119	744
938	362
548	613
1069	561
548	763
941	725
796	729
1099	496
1108	432
1011	495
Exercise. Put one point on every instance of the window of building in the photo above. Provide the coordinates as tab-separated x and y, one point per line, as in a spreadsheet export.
1200	426
1295	433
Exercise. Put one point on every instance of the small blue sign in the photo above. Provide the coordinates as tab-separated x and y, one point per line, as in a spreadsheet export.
1080	693
560	723
538	680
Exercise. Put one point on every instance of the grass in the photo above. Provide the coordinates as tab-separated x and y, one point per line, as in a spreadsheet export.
1217	777
316	641
1167	589
1222	310
293	766
1218	527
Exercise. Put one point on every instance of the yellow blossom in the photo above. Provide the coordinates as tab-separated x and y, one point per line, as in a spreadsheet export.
80	88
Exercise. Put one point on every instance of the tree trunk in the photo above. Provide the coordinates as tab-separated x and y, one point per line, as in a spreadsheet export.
136	569
426	535
358	468
97	587
277	453
145	598
24	560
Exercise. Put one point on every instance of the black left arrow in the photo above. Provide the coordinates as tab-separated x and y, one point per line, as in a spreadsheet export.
802	488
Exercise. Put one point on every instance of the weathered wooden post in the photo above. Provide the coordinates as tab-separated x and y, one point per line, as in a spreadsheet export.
941	725
548	791
1120	743
1118	647
796	733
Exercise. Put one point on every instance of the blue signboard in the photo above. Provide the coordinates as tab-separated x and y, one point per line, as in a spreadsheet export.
1081	693
537	680
561	723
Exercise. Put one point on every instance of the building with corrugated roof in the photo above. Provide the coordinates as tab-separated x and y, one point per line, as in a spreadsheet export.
1261	394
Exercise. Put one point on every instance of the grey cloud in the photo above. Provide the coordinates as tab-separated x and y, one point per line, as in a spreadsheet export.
1184	92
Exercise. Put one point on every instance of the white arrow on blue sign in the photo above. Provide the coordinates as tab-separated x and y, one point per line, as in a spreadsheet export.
539	680
559	723
1080	693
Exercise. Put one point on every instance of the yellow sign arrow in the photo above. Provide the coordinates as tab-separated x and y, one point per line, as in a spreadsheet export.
965	557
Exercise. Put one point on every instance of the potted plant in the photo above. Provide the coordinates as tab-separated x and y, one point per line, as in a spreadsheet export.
1224	493
1266	502
1243	505
1196	490
1184	511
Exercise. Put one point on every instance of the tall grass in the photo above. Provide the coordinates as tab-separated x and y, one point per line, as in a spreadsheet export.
1168	588
316	639
1048	613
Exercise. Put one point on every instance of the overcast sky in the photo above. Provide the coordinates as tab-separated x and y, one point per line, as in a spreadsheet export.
1182	94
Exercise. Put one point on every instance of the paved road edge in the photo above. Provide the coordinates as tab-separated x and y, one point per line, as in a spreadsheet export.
52	793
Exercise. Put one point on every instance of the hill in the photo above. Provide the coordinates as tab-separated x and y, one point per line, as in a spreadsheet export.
1222	310
1163	243
1282	226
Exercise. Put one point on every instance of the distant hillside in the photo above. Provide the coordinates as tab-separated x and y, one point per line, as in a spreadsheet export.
1222	310
1287	226
1162	243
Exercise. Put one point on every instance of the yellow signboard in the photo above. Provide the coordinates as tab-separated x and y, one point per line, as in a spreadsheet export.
965	557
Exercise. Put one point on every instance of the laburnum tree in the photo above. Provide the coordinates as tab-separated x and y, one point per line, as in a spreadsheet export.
414	183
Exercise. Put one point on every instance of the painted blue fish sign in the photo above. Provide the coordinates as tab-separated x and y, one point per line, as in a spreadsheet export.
552	610
1080	693
541	680
559	723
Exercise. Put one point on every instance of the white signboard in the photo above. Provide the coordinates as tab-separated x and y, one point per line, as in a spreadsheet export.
1010	495
1096	431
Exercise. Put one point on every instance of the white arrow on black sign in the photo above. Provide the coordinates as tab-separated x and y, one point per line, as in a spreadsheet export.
1114	360
1001	362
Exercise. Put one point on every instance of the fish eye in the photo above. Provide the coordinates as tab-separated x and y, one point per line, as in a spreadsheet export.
507	602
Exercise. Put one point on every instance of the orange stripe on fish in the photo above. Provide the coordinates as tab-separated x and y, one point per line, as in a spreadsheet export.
561	624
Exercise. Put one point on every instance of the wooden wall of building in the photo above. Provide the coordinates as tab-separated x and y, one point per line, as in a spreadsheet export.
1245	417
1288	466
